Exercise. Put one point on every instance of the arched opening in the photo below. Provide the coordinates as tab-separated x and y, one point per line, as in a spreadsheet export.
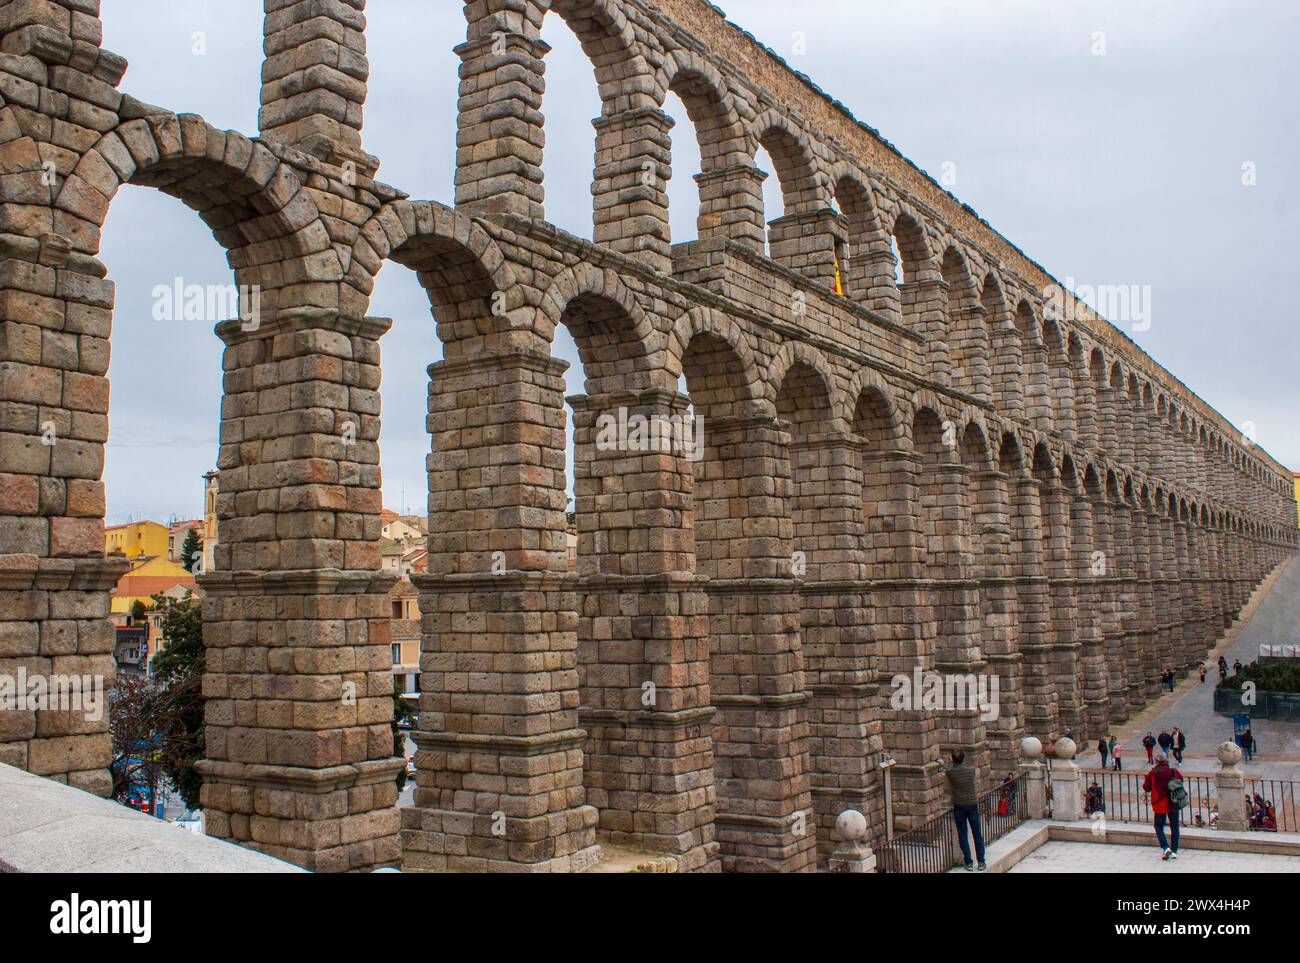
571	104
967	328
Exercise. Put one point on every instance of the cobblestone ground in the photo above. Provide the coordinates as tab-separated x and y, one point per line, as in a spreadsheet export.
1276	621
1062	857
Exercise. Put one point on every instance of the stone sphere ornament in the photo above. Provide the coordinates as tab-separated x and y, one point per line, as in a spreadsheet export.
851	825
1065	748
1032	747
1229	753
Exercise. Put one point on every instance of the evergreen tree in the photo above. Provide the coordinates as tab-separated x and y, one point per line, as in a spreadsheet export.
191	549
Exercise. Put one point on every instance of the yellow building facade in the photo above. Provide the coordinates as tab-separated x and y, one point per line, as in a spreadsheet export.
1296	475
148	579
136	540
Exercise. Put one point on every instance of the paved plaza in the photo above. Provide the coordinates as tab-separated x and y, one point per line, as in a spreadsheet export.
1191	707
1064	857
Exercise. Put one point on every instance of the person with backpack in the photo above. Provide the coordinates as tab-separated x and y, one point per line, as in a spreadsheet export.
1103	748
1164	784
1149	744
1164	742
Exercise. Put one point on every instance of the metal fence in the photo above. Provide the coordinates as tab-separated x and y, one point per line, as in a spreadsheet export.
933	847
1271	803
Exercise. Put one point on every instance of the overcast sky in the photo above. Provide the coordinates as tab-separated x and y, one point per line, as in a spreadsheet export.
1118	168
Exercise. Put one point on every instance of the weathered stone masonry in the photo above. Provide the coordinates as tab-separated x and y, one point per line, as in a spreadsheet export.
934	472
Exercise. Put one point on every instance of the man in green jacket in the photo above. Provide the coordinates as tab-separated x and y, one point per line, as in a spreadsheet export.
965	808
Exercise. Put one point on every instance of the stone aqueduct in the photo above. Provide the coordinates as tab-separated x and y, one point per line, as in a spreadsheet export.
943	458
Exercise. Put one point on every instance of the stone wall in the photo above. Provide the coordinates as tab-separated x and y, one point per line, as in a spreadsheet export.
937	474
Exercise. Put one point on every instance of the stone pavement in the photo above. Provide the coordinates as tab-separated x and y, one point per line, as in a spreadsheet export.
1065	857
1276	619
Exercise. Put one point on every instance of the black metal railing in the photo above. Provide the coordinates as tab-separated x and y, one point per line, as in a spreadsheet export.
933	847
1271	804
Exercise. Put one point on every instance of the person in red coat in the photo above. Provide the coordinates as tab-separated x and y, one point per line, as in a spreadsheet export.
1156	785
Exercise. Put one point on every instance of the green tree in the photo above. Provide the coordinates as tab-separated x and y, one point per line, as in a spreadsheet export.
402	714
191	549
177	709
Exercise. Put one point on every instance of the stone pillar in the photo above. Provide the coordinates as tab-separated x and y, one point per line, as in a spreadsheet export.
1142	646
1042	701
1067	783
633	164
731	205
1035	776
1038	402
999	616
836	614
314	79
299	757
499	139
904	629
499	781
925	303
955	602
808	244
1091	674
1185	654
1065	647
643	631
1230	783
1170	614
764	818
1105	604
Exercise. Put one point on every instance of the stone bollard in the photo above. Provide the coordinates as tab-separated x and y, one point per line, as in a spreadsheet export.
1032	771
1230	782
853	855
1067	787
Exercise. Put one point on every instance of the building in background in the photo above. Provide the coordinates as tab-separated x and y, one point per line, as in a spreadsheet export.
1295	475
148	578
177	534
404	637
209	563
136	540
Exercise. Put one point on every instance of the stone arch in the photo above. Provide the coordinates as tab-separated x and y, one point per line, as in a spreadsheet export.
254	203
1037	373
613	334
724	140
868	271
739	375
795	158
797	354
460	267
967	326
1008	360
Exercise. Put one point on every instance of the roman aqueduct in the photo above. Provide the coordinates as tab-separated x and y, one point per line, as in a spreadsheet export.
935	472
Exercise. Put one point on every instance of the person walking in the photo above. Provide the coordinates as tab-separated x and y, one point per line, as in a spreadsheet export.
1180	745
1248	744
1201	668
1103	747
1164	742
1236	666
1115	750
1149	744
1164	784
965	808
